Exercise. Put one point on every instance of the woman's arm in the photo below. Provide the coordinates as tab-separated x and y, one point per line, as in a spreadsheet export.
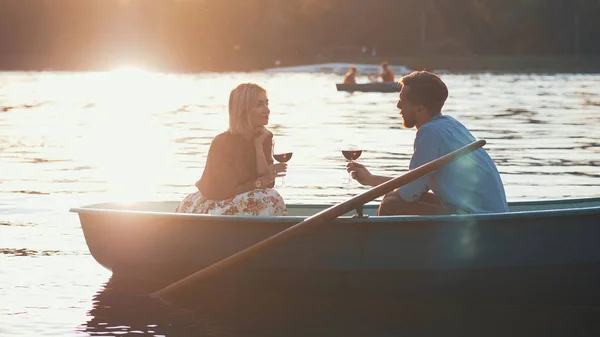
220	179
263	146
268	152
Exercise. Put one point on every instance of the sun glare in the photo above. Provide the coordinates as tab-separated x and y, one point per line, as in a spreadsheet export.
126	71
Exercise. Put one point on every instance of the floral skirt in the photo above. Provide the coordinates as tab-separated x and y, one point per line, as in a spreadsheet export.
265	201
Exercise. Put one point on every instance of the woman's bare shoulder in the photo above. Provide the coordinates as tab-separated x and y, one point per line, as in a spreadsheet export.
223	137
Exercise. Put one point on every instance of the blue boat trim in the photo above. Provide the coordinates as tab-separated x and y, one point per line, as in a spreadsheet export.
95	209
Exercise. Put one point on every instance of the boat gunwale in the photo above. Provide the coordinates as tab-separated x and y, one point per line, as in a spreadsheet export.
381	87
90	209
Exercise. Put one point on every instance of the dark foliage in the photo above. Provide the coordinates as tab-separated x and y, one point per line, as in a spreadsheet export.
190	35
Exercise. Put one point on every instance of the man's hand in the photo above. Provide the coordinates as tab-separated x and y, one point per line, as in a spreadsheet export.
360	173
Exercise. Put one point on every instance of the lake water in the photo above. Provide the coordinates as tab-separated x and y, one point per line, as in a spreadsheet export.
70	139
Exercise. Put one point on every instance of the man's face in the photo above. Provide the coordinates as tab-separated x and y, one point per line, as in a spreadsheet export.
408	111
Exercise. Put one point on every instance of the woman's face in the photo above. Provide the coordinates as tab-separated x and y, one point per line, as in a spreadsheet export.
259	115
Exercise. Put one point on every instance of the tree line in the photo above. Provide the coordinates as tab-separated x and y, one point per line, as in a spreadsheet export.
223	35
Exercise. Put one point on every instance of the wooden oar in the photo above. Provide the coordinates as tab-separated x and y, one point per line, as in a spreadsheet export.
319	218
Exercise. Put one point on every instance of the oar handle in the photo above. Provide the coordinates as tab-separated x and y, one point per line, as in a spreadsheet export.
321	217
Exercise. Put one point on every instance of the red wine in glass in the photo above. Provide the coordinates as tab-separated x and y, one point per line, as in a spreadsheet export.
283	158
351	155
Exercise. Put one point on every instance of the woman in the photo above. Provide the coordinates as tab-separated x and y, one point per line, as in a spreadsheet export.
350	77
239	174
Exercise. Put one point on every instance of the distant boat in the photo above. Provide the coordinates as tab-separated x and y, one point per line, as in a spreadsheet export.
540	249
338	68
370	87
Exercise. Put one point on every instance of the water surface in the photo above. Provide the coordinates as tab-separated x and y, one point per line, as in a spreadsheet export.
70	139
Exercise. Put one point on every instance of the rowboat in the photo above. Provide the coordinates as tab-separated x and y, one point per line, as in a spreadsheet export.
370	87
544	250
338	68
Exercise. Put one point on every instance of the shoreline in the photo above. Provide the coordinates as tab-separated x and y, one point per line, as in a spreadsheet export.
497	64
486	64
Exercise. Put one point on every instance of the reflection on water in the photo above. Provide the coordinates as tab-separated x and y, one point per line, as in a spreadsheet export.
69	139
122	307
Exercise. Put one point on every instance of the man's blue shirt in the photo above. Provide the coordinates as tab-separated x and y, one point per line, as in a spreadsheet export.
470	184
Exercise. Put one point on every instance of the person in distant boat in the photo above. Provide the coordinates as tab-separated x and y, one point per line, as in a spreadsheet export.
239	175
350	77
470	184
386	74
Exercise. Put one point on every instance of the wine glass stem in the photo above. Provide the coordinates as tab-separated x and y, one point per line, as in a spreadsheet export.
350	174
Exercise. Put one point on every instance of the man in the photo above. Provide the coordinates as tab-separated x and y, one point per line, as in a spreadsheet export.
387	75
470	184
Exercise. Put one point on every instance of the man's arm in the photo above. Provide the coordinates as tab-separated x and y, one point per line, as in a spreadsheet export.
377	180
363	176
427	148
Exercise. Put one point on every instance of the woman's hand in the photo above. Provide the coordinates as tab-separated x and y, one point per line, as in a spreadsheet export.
261	135
275	171
359	172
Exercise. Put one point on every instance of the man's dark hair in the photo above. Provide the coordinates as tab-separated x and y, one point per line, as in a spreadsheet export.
426	89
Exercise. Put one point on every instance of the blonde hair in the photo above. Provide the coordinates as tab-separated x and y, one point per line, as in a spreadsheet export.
242	100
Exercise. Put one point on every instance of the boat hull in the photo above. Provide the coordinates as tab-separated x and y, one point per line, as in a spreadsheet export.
546	255
369	87
560	284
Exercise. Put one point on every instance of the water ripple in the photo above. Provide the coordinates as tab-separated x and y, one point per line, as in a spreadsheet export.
28	252
17	224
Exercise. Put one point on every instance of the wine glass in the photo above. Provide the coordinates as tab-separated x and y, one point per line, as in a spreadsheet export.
282	153
351	153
